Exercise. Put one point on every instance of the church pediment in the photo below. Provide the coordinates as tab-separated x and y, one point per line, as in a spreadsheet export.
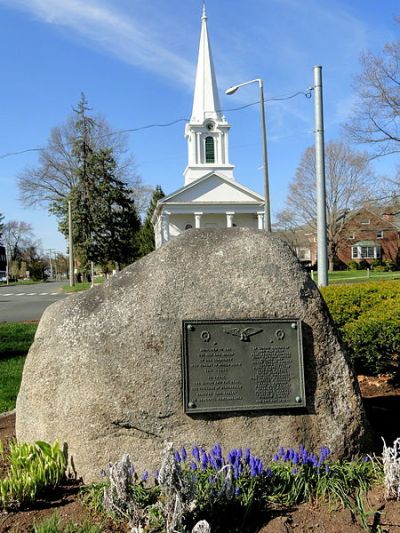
211	189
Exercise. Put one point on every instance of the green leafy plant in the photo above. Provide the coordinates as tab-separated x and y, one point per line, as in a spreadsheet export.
53	525
31	469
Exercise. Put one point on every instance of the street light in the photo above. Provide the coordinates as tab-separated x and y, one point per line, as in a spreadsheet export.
267	210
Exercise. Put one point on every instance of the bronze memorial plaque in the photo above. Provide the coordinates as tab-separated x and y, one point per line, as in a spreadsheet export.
242	365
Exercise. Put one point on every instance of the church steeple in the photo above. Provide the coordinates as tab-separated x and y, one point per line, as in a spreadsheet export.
207	131
205	101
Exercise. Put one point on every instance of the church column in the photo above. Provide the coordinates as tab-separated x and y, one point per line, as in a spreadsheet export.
165	227
229	219
198	148
219	149
226	147
197	220
260	216
193	158
223	150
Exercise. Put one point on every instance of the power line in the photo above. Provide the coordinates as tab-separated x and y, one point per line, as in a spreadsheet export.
307	94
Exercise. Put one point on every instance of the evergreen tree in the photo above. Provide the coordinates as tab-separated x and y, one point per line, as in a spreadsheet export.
146	235
82	195
105	222
115	222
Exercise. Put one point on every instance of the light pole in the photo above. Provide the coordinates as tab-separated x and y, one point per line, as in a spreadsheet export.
321	185
267	210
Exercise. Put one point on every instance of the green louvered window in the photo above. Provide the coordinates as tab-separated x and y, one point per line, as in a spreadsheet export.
210	150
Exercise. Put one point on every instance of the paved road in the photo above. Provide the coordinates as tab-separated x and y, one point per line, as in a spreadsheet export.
27	302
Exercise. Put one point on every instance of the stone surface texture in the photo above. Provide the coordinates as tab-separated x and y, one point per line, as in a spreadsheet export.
104	372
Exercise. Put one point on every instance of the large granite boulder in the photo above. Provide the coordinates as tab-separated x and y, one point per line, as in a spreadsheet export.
104	372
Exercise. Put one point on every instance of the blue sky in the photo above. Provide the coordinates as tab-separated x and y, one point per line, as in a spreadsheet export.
135	60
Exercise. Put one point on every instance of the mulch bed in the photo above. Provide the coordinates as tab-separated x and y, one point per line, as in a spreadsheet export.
382	402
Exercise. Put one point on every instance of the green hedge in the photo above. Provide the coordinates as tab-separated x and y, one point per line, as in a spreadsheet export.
368	317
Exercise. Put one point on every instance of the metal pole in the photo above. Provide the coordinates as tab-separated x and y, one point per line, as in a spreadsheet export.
7	264
91	274
267	209
320	174
71	257
51	264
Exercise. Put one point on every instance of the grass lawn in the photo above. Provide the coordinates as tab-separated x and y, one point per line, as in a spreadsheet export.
15	340
83	286
358	276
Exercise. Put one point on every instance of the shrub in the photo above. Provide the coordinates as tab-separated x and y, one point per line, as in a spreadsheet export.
381	268
390	265
352	265
31	469
368	317
363	265
374	339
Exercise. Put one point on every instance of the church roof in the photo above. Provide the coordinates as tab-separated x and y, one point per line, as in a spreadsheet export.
210	189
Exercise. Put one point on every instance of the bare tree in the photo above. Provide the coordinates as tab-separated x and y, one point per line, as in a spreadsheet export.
376	116
17	236
51	181
348	185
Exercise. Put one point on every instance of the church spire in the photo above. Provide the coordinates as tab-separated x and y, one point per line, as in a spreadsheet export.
205	101
207	131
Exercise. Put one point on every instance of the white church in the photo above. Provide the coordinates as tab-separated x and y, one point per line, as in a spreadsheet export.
211	197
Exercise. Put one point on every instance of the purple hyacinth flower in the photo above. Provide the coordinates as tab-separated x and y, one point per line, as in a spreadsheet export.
247	456
204	460
183	454
217	451
196	453
193	465
145	476
178	458
253	467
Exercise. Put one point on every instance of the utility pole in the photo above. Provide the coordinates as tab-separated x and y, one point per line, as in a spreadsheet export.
267	205
322	256
50	250
7	264
70	246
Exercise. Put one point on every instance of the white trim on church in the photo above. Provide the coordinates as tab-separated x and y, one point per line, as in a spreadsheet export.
210	197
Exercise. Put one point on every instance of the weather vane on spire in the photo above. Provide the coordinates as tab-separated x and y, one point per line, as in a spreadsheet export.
204	16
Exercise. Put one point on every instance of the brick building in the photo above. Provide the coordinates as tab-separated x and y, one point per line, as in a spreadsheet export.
370	234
